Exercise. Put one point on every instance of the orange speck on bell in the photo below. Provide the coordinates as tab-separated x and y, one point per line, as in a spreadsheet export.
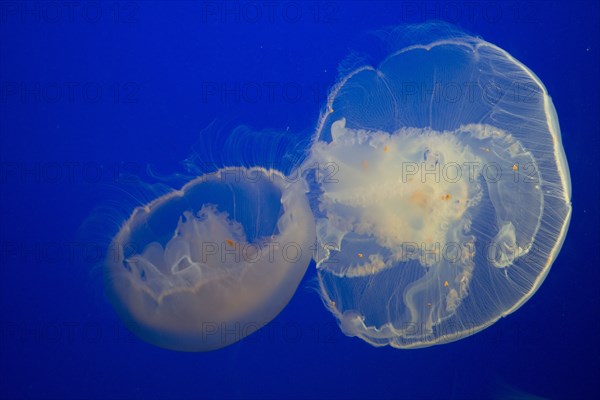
230	242
386	149
418	198
515	167
447	196
360	255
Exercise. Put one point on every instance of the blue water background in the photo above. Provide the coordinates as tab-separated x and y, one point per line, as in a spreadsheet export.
134	86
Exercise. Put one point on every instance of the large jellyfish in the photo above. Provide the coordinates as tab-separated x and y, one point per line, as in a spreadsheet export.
202	267
442	190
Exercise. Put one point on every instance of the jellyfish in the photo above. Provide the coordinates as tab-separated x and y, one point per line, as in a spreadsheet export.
441	189
202	267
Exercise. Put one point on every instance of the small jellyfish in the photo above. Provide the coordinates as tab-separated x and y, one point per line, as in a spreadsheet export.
442	190
202	267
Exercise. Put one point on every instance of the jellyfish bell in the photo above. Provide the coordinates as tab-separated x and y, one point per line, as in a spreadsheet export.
200	268
442	192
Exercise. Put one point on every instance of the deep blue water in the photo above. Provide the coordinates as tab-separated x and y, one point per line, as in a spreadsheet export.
92	89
